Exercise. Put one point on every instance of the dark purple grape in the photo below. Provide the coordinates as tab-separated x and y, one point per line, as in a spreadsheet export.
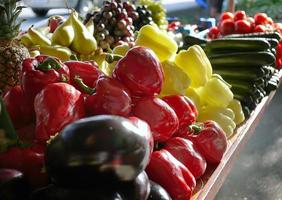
100	27
101	36
122	15
121	24
134	15
106	32
113	21
129	21
108	15
126	39
114	5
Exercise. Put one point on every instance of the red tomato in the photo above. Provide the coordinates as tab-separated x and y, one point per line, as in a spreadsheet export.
213	32
240	14
226	15
269	21
260	18
259	28
227	27
242	26
252	22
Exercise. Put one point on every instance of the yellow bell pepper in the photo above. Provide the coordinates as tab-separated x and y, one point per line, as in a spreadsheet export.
223	116
216	92
152	37
175	80
195	64
194	95
236	106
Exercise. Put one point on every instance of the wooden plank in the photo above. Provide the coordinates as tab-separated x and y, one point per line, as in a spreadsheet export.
210	183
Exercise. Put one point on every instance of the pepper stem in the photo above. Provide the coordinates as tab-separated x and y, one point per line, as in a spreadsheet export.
112	57
83	86
48	64
196	128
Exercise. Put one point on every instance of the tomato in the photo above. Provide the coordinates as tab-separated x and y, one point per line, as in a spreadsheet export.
260	18
242	26
240	14
227	27
213	32
259	28
269	21
226	15
252	22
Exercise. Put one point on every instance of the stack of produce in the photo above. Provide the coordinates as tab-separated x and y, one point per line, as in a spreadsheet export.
247	62
70	38
241	23
145	125
116	22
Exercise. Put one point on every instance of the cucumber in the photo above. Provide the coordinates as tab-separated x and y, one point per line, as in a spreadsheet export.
274	34
191	40
242	59
237	44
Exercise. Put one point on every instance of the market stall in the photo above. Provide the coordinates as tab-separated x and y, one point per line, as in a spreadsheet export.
125	104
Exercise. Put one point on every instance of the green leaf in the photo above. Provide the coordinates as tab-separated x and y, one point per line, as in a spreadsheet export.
6	124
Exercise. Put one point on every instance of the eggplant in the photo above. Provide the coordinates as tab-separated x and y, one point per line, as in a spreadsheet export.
13	186
104	148
138	189
158	192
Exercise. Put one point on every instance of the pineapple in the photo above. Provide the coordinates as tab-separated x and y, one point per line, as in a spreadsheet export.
12	53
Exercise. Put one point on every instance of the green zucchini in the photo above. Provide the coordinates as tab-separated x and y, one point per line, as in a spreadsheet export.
190	40
237	45
242	59
274	34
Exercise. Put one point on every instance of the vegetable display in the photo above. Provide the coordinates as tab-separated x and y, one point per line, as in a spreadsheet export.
102	112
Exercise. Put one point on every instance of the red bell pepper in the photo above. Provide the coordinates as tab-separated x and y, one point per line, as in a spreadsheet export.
171	174
210	140
40	71
159	115
20	111
109	96
185	151
56	106
184	108
87	71
29	161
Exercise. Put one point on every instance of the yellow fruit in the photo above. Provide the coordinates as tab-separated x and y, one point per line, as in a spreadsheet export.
63	53
38	38
64	34
83	42
175	80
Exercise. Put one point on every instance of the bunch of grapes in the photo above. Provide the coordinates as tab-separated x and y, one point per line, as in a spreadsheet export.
158	12
145	17
114	24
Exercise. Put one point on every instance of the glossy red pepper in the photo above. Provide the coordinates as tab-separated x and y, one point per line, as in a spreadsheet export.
29	160
109	96
20	111
210	140
87	71
184	108
159	115
171	174
40	71
185	151
57	105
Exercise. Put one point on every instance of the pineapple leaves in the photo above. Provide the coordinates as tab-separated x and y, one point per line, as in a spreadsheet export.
6	124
